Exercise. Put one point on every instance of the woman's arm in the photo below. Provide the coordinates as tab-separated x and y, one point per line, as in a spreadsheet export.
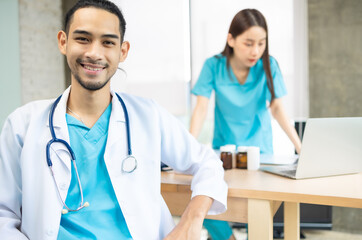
199	115
278	112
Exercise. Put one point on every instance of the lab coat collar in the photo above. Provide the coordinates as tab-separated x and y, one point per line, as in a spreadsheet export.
59	119
117	110
116	122
117	126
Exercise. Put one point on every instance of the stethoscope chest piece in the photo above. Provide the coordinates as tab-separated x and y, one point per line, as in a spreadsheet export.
129	164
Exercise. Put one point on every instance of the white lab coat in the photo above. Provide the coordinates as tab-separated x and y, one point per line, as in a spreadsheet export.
29	203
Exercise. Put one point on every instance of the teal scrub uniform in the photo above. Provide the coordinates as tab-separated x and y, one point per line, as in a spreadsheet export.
241	112
103	219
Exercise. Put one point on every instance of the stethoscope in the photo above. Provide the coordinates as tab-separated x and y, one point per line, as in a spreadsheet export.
129	163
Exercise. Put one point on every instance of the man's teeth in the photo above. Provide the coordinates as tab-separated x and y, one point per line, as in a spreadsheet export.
92	69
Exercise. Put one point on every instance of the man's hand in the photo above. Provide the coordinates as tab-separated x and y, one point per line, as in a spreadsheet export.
190	225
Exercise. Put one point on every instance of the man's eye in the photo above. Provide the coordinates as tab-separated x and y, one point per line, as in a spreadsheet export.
81	39
110	43
248	44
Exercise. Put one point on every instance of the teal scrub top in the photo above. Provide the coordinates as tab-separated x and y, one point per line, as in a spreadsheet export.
103	219
241	110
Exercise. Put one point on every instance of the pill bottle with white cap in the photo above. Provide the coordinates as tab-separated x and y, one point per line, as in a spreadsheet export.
226	156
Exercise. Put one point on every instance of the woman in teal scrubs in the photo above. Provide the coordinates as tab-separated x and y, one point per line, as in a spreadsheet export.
247	82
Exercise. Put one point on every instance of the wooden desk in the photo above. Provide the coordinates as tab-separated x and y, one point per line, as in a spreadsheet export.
255	196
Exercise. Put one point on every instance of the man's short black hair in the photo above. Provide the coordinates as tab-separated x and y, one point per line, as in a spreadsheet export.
101	4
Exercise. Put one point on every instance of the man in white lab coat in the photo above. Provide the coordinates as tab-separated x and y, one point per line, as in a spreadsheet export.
104	195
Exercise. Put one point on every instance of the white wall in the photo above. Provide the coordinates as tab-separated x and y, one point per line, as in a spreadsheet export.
301	70
158	64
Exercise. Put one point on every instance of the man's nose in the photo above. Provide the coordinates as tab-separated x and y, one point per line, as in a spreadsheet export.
95	51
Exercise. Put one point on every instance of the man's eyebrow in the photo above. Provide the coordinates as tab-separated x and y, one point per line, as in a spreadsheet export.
82	32
110	36
90	34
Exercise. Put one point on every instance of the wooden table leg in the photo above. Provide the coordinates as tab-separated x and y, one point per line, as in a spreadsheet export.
260	219
291	221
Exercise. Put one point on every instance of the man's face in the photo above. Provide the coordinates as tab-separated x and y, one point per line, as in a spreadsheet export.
93	47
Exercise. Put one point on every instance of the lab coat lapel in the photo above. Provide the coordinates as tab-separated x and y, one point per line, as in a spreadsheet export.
117	134
116	148
61	127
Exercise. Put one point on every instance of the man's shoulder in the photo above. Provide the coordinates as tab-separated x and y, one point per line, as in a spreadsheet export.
20	120
134	99
37	107
142	106
36	104
138	103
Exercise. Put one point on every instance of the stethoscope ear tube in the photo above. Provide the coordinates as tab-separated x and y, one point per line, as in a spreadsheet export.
51	115
48	153
129	164
127	124
54	138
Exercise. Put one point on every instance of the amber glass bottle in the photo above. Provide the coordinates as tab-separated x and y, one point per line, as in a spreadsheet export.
226	156
242	157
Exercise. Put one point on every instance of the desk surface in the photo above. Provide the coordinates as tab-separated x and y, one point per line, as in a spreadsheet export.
343	191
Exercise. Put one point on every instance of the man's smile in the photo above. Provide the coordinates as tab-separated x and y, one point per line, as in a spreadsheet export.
92	68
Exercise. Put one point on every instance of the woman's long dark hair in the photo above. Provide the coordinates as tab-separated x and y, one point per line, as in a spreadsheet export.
242	21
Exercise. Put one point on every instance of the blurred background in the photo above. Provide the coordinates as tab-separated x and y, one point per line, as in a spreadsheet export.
317	43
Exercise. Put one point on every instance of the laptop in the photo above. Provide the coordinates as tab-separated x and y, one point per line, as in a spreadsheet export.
330	146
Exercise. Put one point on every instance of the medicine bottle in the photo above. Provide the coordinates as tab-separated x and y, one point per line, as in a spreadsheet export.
242	157
226	156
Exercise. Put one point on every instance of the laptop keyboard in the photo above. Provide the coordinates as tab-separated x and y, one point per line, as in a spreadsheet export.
286	170
291	172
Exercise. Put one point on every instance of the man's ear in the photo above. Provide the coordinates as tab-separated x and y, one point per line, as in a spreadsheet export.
124	51
62	42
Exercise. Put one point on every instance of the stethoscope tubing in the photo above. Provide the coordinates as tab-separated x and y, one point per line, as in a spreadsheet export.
127	124
72	155
54	138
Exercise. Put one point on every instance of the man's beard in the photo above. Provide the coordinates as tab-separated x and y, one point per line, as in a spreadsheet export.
92	86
